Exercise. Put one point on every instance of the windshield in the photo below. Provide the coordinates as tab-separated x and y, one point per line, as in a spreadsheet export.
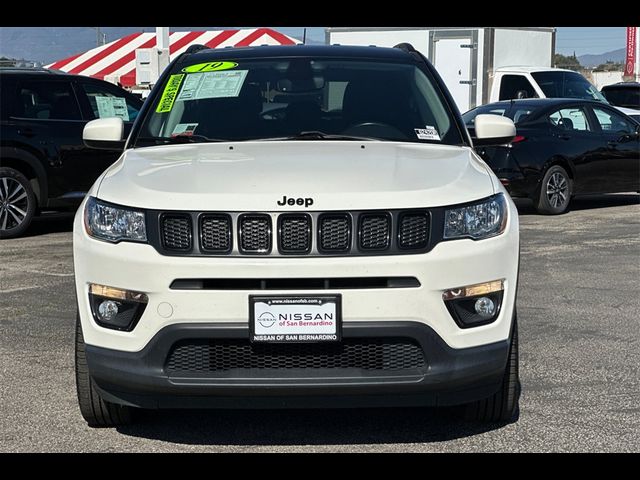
623	96
298	98
567	85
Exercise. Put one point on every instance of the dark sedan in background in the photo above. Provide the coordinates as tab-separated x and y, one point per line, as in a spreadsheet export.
563	147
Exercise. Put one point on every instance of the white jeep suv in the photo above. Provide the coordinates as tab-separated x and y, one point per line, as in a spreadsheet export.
297	226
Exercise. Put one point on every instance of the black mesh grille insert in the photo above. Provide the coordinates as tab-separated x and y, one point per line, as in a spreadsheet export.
215	233
335	233
374	231
176	232
198	356
414	230
255	233
295	233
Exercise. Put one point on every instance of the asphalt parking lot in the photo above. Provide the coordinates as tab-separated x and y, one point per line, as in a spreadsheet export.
579	320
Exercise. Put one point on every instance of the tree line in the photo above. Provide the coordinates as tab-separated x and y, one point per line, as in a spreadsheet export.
571	62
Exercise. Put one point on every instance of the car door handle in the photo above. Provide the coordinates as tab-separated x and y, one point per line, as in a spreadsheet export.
25	132
612	144
564	137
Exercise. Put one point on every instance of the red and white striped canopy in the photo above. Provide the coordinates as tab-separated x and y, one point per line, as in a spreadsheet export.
116	61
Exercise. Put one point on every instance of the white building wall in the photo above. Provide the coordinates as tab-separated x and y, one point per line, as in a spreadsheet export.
600	79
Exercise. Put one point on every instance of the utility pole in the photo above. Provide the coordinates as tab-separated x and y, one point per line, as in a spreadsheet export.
162	37
101	38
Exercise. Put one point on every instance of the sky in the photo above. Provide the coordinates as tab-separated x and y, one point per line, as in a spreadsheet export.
589	39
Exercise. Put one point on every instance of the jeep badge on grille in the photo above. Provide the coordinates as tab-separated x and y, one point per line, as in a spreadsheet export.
307	201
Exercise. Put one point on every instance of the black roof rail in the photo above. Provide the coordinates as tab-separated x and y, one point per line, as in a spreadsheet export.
407	47
196	48
28	69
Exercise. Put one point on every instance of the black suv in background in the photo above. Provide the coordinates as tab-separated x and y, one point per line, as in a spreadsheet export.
623	94
44	165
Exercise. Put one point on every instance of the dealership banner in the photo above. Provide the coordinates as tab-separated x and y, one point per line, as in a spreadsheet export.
630	62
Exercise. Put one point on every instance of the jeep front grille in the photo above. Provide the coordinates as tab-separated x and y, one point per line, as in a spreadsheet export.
413	230
255	233
390	232
374	231
294	233
215	233
335	233
176	232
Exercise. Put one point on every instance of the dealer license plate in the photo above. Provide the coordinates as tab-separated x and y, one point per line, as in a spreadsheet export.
282	319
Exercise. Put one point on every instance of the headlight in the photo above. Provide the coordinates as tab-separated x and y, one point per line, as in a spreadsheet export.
482	219
111	223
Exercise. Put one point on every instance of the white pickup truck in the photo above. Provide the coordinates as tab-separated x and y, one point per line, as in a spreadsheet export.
540	82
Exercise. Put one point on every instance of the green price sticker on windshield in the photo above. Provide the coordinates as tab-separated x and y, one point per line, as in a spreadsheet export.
210	67
170	92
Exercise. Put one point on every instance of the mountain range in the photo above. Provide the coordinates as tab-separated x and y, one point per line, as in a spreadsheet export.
590	60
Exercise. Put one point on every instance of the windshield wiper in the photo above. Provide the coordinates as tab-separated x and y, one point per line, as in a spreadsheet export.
180	139
317	135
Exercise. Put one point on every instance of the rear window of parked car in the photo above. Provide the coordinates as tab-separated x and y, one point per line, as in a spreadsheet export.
109	102
46	101
517	113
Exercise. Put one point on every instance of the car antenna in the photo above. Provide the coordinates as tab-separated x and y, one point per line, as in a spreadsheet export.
304	36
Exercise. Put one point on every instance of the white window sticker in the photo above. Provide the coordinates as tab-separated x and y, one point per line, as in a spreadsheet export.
427	133
186	129
212	85
112	107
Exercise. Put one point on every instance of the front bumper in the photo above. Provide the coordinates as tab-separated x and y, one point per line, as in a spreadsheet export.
449	376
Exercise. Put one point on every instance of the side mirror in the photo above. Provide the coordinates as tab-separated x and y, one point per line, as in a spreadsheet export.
104	133
493	130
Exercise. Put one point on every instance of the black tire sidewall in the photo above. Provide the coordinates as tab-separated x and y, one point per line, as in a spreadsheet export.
31	205
543	205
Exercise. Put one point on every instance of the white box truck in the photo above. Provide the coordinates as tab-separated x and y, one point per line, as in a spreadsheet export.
473	61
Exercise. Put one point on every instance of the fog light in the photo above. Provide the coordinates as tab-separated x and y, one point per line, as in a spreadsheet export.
485	307
475	305
116	308
107	310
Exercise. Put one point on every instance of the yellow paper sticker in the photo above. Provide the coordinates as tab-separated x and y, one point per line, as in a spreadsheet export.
170	92
210	67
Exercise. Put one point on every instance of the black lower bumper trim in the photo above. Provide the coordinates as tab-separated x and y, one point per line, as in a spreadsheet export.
451	376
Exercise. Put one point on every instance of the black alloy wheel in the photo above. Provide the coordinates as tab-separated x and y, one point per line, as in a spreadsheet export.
555	191
17	203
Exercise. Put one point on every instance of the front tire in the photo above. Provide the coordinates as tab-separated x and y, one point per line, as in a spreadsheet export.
17	203
502	406
96	411
555	191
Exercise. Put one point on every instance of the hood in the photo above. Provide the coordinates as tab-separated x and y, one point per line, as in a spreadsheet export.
255	176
